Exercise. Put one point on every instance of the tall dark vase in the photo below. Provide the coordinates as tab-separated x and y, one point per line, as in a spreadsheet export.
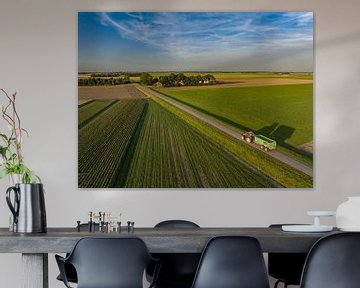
27	204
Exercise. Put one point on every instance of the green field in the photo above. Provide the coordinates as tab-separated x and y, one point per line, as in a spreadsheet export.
103	142
276	170
170	153
144	143
282	112
239	75
91	110
162	151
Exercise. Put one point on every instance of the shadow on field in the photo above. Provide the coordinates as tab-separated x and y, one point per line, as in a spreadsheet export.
124	168
281	133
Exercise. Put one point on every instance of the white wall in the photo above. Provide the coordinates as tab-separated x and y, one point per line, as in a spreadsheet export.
38	59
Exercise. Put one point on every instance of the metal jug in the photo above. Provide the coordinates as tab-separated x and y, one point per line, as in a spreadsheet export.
28	208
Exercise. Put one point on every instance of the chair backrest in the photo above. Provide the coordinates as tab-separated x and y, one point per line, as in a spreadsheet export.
232	262
110	262
178	267
333	262
176	224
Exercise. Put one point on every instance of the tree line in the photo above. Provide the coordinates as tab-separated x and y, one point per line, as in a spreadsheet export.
115	74
176	80
98	81
171	80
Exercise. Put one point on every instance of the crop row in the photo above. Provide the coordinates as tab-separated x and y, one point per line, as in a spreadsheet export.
103	143
282	173
82	104
88	112
170	153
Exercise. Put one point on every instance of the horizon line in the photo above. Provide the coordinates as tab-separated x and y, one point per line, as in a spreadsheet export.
193	71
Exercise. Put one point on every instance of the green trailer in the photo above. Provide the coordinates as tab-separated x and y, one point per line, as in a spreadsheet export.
264	142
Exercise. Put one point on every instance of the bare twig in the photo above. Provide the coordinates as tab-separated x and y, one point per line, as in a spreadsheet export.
14	124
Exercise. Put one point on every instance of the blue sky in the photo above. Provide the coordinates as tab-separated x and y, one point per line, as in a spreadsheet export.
189	41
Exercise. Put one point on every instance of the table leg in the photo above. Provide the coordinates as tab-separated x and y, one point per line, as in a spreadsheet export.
35	270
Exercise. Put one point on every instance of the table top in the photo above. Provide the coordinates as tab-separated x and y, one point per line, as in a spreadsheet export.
158	240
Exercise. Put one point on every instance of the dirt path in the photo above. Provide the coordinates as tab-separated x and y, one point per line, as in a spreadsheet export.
276	154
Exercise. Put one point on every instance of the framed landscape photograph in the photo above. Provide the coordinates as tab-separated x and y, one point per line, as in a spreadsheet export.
195	100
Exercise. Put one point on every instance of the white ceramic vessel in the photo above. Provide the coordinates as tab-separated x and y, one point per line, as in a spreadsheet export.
348	215
316	227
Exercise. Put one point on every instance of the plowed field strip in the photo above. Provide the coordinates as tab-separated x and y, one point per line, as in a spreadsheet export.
109	92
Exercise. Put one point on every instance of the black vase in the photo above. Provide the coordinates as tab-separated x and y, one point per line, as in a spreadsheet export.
28	208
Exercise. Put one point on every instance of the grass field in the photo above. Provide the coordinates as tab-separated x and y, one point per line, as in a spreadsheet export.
239	75
282	112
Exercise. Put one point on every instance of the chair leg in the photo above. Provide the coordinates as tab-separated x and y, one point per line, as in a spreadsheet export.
278	282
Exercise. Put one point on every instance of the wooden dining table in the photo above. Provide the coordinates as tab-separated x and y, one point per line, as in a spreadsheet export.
35	247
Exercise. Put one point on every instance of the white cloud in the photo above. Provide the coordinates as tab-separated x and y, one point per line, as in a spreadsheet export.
182	36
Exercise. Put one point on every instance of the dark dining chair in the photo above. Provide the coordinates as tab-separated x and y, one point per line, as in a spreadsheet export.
70	271
333	262
232	262
178	269
108	263
286	267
